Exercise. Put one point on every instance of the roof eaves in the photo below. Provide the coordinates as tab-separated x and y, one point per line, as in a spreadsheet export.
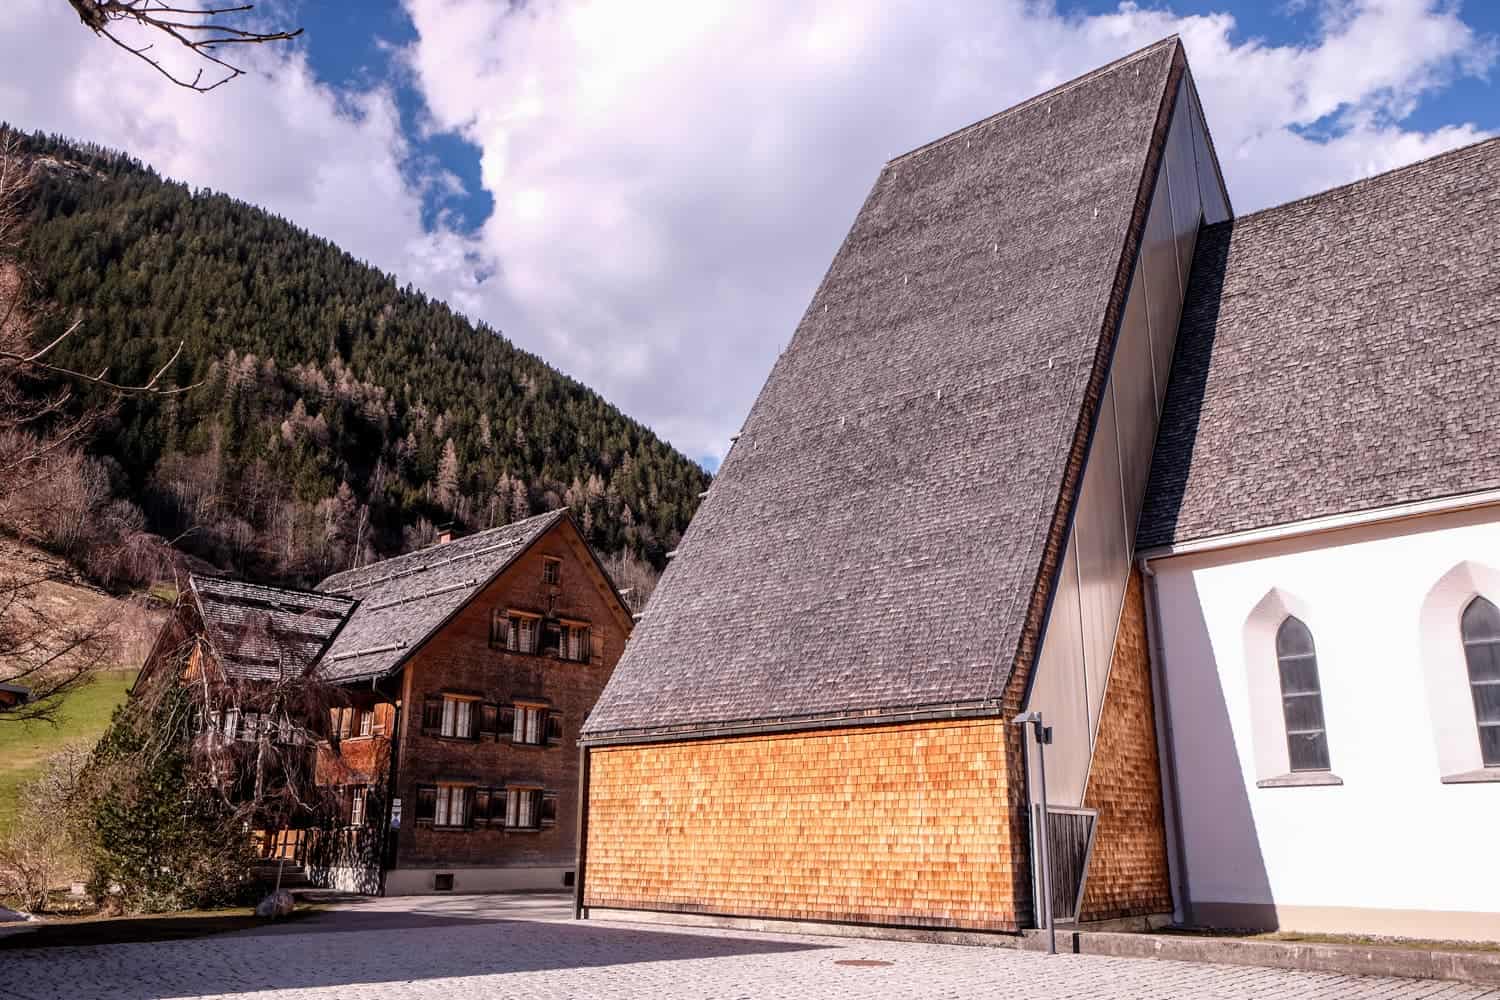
892	716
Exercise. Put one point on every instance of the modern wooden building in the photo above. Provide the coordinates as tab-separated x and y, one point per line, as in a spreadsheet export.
1219	498
924	528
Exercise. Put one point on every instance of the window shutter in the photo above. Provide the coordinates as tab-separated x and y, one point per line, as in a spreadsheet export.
481	813
432	715
554	728
507	723
426	803
499	625
596	646
514	634
378	727
488	714
549	809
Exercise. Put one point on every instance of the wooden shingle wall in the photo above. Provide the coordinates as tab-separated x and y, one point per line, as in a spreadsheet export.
907	825
1128	870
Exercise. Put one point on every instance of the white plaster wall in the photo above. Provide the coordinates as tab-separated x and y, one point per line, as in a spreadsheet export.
1393	836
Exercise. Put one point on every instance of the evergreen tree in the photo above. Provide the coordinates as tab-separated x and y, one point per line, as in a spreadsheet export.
317	373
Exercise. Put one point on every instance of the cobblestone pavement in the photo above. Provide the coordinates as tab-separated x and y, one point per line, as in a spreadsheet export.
518	946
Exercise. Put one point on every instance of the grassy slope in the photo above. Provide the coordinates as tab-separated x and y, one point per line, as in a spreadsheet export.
25	746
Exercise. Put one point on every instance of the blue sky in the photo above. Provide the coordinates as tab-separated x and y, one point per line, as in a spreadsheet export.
357	45
646	193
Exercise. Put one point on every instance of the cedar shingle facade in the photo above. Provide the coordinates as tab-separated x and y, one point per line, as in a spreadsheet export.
935	514
924	527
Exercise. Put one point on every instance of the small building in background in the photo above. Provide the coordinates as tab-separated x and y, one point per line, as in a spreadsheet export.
12	695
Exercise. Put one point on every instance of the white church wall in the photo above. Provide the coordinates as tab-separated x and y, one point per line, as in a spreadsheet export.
1393	849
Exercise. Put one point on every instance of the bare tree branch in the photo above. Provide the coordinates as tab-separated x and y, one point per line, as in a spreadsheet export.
205	30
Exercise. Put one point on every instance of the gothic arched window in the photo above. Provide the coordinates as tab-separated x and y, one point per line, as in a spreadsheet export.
1301	697
1480	628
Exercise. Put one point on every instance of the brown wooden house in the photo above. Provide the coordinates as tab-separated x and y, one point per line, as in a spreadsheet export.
469	667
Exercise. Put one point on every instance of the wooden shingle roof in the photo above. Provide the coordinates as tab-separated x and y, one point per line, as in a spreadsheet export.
1337	354
263	632
405	599
872	541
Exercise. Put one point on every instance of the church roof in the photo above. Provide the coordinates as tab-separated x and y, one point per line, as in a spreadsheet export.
873	541
1337	354
403	600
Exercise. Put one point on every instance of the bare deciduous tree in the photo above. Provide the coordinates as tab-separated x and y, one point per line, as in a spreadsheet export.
50	490
202	31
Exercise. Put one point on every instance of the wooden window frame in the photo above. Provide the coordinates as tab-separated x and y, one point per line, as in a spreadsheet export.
359	801
551	571
429	792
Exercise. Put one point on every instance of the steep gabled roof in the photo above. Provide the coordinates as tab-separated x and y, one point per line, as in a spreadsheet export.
1337	354
405	599
262	632
873	541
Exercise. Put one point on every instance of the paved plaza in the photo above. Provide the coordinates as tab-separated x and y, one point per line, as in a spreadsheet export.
525	946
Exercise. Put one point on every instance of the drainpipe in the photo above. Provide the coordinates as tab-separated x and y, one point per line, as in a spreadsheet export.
580	912
393	753
1166	745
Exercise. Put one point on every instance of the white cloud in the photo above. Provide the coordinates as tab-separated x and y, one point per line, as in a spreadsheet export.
671	177
329	160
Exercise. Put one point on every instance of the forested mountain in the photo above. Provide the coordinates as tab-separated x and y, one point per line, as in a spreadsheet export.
340	415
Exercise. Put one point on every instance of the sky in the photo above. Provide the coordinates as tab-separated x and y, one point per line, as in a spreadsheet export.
646	193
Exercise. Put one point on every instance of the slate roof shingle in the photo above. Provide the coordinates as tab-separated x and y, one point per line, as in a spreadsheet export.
262	632
872	540
404	598
1339	353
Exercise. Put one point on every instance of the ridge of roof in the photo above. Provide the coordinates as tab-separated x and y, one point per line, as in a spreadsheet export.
407	598
1347	187
457	550
1045	95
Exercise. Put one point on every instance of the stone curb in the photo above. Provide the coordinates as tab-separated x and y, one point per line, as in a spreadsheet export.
1480	968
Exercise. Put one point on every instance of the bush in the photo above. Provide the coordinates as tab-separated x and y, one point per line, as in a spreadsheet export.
158	838
40	850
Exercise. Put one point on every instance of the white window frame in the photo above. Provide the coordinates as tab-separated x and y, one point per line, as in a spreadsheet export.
522	631
450	806
529	727
459	718
523	808
357	795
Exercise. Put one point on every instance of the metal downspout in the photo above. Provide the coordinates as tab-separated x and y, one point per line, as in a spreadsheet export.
1166	746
